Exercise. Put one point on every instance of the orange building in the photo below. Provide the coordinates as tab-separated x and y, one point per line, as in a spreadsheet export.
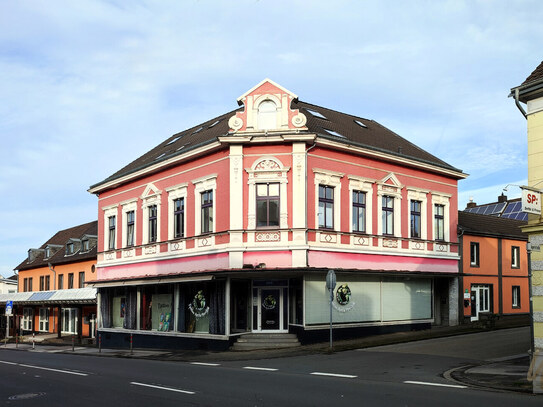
494	268
52	293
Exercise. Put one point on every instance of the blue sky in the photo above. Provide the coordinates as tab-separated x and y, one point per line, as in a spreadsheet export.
88	86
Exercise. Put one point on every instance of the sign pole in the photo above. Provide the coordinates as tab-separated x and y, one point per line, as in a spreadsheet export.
330	285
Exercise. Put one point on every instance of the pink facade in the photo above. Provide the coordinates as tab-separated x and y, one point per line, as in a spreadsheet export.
272	191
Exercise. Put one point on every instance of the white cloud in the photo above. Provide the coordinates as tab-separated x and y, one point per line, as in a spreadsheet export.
88	86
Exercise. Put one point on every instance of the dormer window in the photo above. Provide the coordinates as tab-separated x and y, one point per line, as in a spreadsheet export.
69	248
85	245
267	115
48	252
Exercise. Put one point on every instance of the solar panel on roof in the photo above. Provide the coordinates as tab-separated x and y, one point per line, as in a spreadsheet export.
316	114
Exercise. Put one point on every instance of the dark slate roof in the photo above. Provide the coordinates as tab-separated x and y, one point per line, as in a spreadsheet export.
344	127
486	225
537	74
61	238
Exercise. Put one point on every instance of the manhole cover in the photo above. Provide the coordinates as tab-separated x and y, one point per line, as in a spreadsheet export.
26	396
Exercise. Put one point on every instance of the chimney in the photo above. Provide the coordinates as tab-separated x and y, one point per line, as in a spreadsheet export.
502	198
471	204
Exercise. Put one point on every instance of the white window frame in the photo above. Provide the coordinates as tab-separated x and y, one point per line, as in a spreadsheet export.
366	186
44	319
474	254
331	179
208	183
73	322
444	200
415	194
176	192
129	206
151	196
267	169
515	257
27	319
267	120
394	190
109	212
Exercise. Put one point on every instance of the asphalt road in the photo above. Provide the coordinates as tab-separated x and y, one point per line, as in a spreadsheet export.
399	375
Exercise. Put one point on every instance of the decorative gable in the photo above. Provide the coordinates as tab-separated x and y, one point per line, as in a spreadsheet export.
267	109
390	185
151	191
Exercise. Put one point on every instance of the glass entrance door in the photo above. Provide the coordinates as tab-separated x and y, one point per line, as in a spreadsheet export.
270	309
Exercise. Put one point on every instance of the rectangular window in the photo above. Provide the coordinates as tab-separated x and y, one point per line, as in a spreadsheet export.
207	211
69	248
516	296
44	320
111	235
130	228
42	283
69	320
267	204
415	219
25	285
474	254
29	283
326	207
70	280
27	319
61	281
388	215
81	279
179	218
47	283
439	222
85	246
152	223
359	211
515	257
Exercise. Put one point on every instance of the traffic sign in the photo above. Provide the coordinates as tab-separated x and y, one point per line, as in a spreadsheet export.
9	307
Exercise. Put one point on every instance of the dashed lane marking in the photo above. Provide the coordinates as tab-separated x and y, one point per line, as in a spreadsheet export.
266	369
455	386
45	368
345	376
205	364
162	388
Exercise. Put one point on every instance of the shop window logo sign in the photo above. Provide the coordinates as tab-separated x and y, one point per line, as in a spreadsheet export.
343	299
198	305
269	302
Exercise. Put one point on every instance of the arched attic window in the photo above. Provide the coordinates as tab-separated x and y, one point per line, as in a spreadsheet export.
267	115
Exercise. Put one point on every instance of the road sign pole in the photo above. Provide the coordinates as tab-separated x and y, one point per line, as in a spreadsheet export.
330	285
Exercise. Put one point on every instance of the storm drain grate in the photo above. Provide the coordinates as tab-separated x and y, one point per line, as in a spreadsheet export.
26	396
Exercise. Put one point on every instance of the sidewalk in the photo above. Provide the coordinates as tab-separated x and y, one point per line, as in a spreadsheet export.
509	374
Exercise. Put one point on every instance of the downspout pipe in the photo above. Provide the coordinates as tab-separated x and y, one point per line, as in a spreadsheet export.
519	106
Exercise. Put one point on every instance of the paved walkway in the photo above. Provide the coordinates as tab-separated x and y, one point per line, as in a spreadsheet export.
509	374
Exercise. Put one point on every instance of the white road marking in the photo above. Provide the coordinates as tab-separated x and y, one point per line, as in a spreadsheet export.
162	388
266	369
44	368
346	376
456	386
205	364
54	370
